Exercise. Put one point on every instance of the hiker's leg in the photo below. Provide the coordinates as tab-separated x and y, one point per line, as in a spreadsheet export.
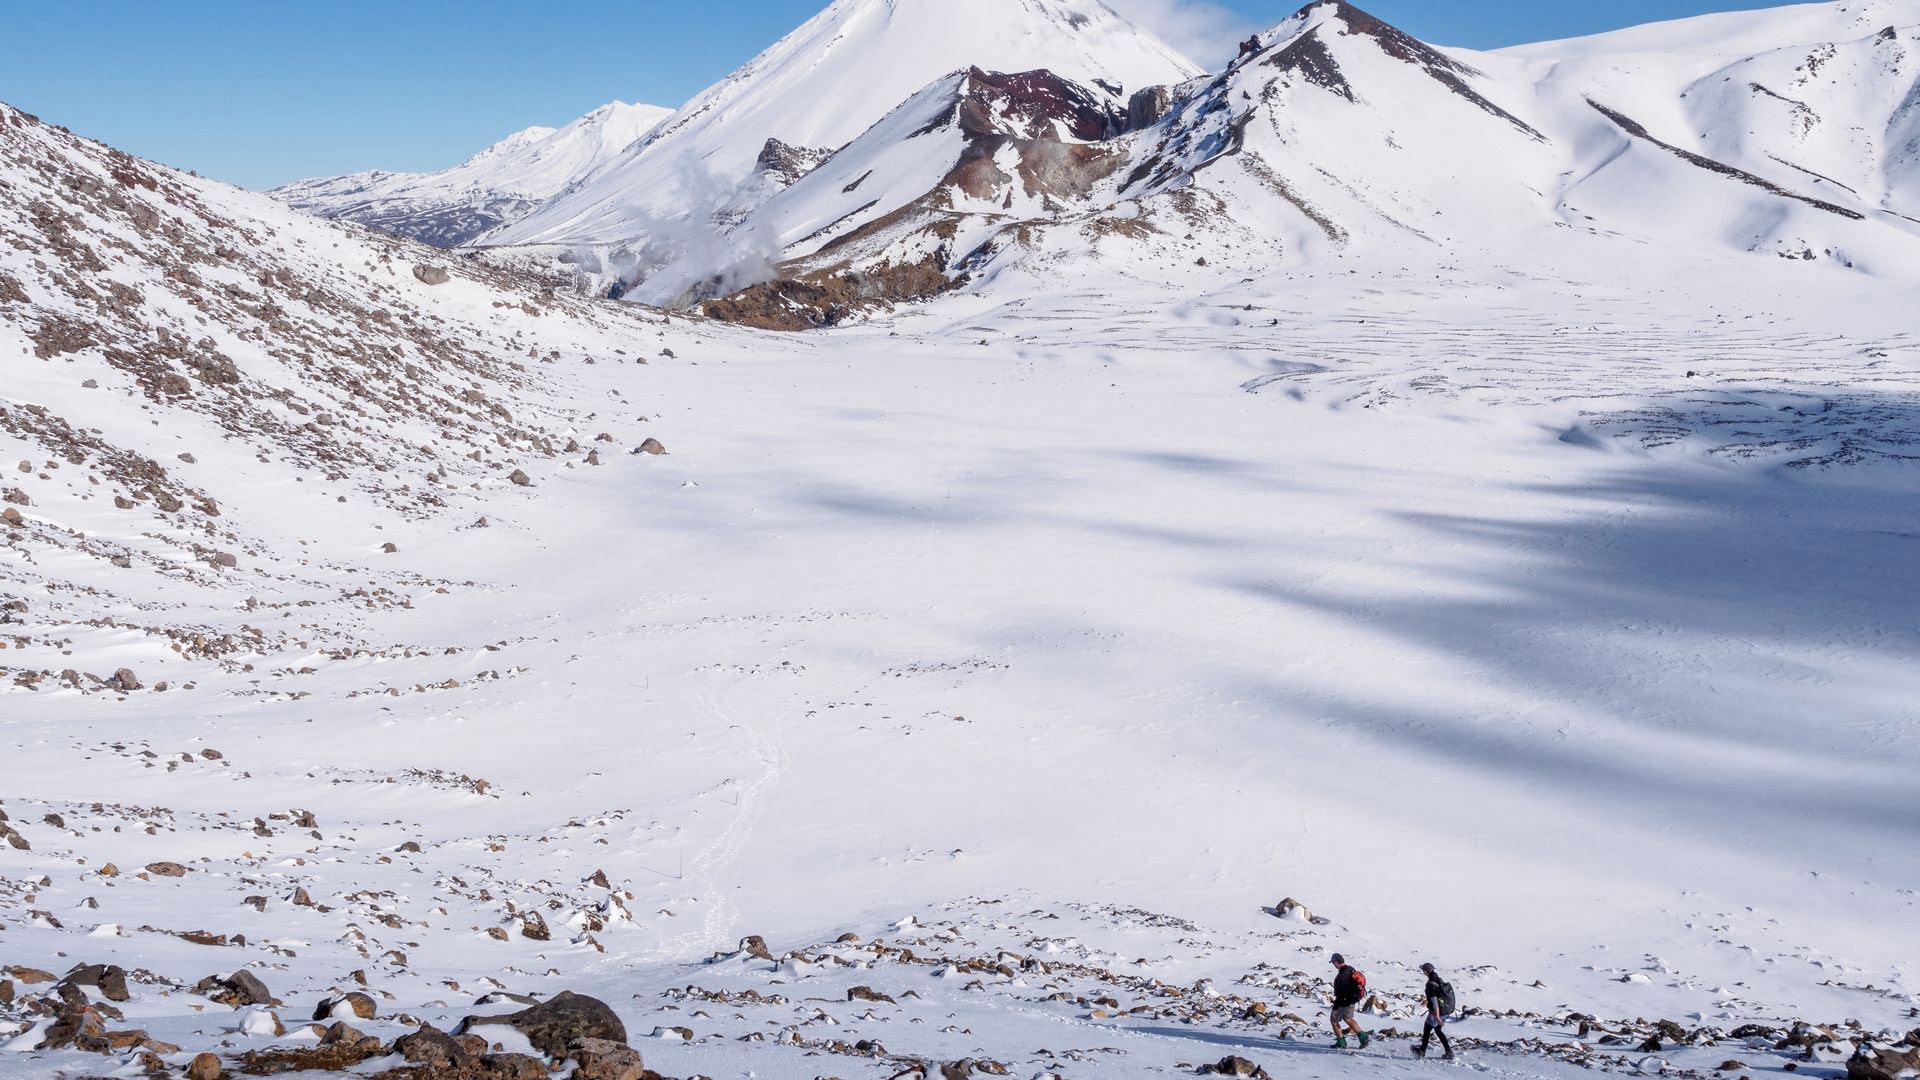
1441	1030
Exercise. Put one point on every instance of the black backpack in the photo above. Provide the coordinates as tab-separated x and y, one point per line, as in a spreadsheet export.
1447	1001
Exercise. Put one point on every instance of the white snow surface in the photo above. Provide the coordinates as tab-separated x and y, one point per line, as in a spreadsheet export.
1548	618
506	179
824	84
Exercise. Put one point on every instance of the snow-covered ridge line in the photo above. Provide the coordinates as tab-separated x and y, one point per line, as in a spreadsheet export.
495	186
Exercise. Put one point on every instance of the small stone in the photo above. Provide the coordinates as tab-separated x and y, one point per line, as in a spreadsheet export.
225	560
389	547
652	446
12	517
755	946
204	1067
431	275
520	478
188	458
166	869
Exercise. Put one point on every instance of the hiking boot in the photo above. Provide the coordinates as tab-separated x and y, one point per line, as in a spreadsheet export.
1448	1056
1340	1043
1364	1040
1419	1051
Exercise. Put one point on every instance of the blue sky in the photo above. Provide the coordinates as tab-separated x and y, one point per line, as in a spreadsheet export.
263	91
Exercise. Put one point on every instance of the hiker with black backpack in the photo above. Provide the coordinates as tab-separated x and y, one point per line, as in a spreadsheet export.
1440	1005
1349	990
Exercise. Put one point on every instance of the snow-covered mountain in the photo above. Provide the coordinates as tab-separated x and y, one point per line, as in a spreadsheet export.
498	185
1336	135
818	88
1375	498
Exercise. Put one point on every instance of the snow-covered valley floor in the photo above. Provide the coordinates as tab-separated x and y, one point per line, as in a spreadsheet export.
1082	628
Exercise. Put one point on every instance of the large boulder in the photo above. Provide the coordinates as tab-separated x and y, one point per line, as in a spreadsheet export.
109	979
434	1048
1869	1063
240	989
554	1025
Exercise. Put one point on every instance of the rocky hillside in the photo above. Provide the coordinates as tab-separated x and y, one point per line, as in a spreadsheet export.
200	380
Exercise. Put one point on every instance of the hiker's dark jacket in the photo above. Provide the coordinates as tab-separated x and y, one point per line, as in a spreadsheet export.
1346	989
1436	994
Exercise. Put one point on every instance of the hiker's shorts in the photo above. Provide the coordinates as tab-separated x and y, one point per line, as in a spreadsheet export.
1344	1013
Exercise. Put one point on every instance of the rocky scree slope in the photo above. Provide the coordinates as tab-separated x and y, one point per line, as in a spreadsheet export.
210	397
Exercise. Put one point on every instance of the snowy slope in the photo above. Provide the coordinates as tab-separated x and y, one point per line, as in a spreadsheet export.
1341	137
925	184
824	84
495	186
1522	577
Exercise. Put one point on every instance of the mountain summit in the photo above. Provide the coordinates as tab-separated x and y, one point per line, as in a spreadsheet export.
820	87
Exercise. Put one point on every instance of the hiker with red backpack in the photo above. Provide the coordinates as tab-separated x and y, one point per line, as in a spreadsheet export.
1440	1005
1349	990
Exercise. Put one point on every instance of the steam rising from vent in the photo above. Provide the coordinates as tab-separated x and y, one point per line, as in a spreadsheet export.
701	254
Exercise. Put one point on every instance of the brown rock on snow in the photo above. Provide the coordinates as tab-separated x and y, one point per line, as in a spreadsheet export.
431	275
432	1047
600	1059
534	927
166	869
204	1067
520	478
239	989
1881	1064
1233	1066
554	1025
361	1005
109	979
124	679
652	446
12	517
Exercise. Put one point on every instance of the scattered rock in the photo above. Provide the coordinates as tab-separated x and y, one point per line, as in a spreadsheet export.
652	446
125	680
1233	1065
431	275
755	946
12	517
534	927
867	993
204	1067
520	478
165	869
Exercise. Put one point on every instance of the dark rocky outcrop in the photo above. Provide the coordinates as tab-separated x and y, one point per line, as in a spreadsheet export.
554	1025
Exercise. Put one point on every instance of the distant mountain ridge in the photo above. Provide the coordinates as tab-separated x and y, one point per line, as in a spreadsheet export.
492	188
